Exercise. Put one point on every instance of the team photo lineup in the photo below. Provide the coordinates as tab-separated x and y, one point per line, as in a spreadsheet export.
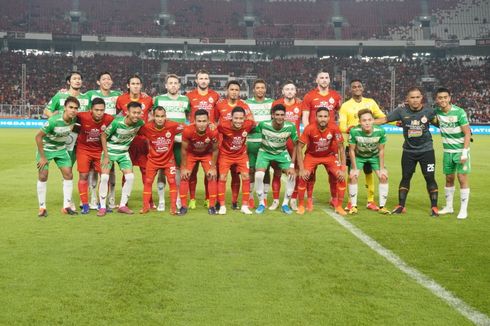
260	142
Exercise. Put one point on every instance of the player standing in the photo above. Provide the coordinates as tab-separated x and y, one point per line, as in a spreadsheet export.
105	92
89	148
275	134
293	114
321	96
456	138
202	97
161	134
417	148
199	144
177	110
367	146
51	145
324	143
116	141
349	118
139	146
260	106
232	152
223	111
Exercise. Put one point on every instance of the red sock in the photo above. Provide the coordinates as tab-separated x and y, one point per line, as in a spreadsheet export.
184	189
147	193
301	191
173	194
276	186
235	186
332	179
245	191
143	178
83	190
213	191
206	190
192	185
310	184
341	191
221	192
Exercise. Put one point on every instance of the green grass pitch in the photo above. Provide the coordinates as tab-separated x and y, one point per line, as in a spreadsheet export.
235	270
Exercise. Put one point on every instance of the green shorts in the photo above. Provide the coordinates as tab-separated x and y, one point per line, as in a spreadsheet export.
178	154
264	159
61	158
373	161
123	160
451	164
252	152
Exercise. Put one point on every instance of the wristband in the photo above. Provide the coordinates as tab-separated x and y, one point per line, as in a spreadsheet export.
464	153
291	166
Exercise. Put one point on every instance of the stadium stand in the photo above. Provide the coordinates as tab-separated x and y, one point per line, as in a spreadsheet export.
469	80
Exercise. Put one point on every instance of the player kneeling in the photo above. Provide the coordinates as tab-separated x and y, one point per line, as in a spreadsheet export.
161	135
324	143
233	152
366	145
199	144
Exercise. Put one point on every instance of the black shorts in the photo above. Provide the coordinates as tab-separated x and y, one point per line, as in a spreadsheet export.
427	161
367	166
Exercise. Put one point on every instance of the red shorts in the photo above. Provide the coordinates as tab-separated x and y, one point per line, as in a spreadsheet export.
205	161
138	150
87	159
152	170
237	165
329	162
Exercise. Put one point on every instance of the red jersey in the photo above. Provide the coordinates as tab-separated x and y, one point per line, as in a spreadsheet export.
314	100
161	141
223	110
89	135
206	102
199	145
321	143
293	111
145	100
233	140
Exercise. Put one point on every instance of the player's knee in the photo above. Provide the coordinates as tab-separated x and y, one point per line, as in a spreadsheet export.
67	174
43	176
84	176
383	179
222	177
129	176
450	178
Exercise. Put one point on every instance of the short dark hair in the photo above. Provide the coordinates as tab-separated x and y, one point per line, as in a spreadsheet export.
202	71
99	76
321	71
415	88
134	76
287	82
259	81
363	112
355	80
322	108
232	82
73	72
172	76
238	109
72	99
98	100
443	90
159	108
134	104
201	112
278	107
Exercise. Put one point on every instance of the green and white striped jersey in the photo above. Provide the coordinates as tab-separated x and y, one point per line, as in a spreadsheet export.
120	135
450	124
367	145
57	133
176	109
261	111
110	100
274	141
57	102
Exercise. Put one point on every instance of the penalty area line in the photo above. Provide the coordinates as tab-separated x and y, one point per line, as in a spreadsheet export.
456	303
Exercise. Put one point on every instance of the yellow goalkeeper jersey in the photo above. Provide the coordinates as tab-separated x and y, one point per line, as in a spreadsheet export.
348	112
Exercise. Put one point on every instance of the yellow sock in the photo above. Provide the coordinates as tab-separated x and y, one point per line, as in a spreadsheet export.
370	187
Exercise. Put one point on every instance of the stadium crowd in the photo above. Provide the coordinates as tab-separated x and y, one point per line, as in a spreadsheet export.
469	80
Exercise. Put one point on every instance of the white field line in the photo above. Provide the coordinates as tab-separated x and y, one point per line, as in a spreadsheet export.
456	303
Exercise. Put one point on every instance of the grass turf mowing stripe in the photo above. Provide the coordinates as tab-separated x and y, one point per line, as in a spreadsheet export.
459	305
